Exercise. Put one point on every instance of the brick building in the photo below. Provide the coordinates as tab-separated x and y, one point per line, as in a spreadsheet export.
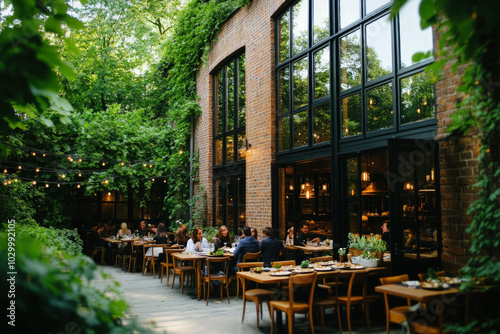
314	111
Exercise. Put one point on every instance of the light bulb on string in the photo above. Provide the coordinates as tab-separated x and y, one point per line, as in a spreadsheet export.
144	165
15	180
20	167
103	164
78	185
9	181
164	180
63	175
80	160
46	185
180	152
122	164
34	182
34	153
43	155
80	174
106	181
150	166
58	185
153	180
5	171
37	170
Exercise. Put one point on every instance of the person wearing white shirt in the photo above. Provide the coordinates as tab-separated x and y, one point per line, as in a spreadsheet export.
289	237
197	243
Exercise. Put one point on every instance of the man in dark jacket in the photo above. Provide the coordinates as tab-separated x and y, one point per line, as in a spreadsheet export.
247	244
270	247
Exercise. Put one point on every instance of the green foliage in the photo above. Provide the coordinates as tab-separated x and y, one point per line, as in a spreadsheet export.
28	81
59	278
470	39
304	264
370	243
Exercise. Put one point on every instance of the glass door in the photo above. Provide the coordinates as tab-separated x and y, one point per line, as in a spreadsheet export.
415	207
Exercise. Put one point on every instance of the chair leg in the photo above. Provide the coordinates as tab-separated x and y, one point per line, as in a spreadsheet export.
182	282
237	287
208	290
290	322
322	317
257	312
311	320
272	319
348	306
168	272
244	306
173	280
227	292
338	319
367	316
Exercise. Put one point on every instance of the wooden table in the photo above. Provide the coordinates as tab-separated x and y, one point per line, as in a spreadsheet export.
420	295
320	248
198	263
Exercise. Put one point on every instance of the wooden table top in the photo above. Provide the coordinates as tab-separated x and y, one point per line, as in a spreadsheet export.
420	295
194	256
319	248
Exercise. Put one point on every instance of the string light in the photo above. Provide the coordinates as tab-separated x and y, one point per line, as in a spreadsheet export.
58	185
34	153
9	181
5	171
78	185
122	163
103	164
34	182
20	167
46	185
37	170
80	174
152	180
150	166
43	155
63	176
106	181
180	151
144	165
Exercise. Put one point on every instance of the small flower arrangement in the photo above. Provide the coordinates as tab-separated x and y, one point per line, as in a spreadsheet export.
342	251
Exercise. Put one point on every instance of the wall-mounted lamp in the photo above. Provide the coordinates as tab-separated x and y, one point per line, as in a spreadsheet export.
244	150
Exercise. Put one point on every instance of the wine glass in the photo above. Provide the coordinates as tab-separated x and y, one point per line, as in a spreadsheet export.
225	244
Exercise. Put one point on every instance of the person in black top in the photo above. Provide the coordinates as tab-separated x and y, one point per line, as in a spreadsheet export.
386	233
142	230
270	247
305	236
161	238
222	237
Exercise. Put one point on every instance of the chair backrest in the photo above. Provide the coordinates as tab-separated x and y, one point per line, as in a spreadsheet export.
321	258
222	259
423	276
168	256
243	266
284	263
394	279
304	282
357	284
251	257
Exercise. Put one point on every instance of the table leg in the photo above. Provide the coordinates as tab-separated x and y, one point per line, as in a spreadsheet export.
198	278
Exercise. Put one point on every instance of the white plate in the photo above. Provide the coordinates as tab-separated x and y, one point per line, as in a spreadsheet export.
324	269
411	284
280	273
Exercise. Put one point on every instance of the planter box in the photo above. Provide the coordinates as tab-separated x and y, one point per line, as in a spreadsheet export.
372	263
356	252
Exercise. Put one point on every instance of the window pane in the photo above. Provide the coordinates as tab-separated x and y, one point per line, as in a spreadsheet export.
353	193
230	97
350	107
300	83
230	202
219	202
284	37
218	151
321	19
417	98
379	48
284	91
350	60
300	133
241	201
379	102
321	124
300	23
219	125
322	73
283	133
349	12
241	146
229	149
413	39
371	5
241	91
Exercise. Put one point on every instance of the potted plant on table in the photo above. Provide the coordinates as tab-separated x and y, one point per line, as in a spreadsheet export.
368	259
342	256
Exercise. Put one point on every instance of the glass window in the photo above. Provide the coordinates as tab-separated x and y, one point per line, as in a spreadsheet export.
284	37
241	201
241	144
230	97
379	48
353	194
322	73
229	148
380	110
350	11
284	91
283	133
321	129
371	5
350	108
242	92
413	39
321	23
300	22
350	60
218	151
417	98
300	80
300	133
219	124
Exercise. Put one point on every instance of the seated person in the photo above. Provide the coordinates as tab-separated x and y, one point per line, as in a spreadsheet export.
254	234
247	244
410	240
289	237
197	243
142	231
181	236
386	233
222	238
123	231
270	247
305	236
161	236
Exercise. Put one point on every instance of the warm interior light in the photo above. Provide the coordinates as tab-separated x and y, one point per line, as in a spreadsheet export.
432	174
109	193
291	187
365	176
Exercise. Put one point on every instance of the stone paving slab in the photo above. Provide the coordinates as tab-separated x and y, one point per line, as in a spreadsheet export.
173	313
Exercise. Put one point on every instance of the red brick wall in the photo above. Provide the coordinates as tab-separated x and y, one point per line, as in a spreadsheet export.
252	28
458	172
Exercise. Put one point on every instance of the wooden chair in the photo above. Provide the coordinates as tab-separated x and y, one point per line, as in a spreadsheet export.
132	257
256	295
320	259
251	257
284	263
396	314
181	269
153	258
356	294
211	276
423	276
329	301
293	305
169	262
245	266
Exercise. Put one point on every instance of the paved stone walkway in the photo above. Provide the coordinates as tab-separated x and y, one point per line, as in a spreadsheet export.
173	313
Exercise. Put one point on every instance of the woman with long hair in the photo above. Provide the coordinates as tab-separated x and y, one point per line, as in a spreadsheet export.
197	243
123	230
222	237
161	234
181	236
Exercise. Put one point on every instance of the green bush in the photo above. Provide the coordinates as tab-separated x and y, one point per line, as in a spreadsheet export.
53	291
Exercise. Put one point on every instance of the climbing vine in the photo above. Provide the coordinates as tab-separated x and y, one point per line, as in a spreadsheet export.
470	31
